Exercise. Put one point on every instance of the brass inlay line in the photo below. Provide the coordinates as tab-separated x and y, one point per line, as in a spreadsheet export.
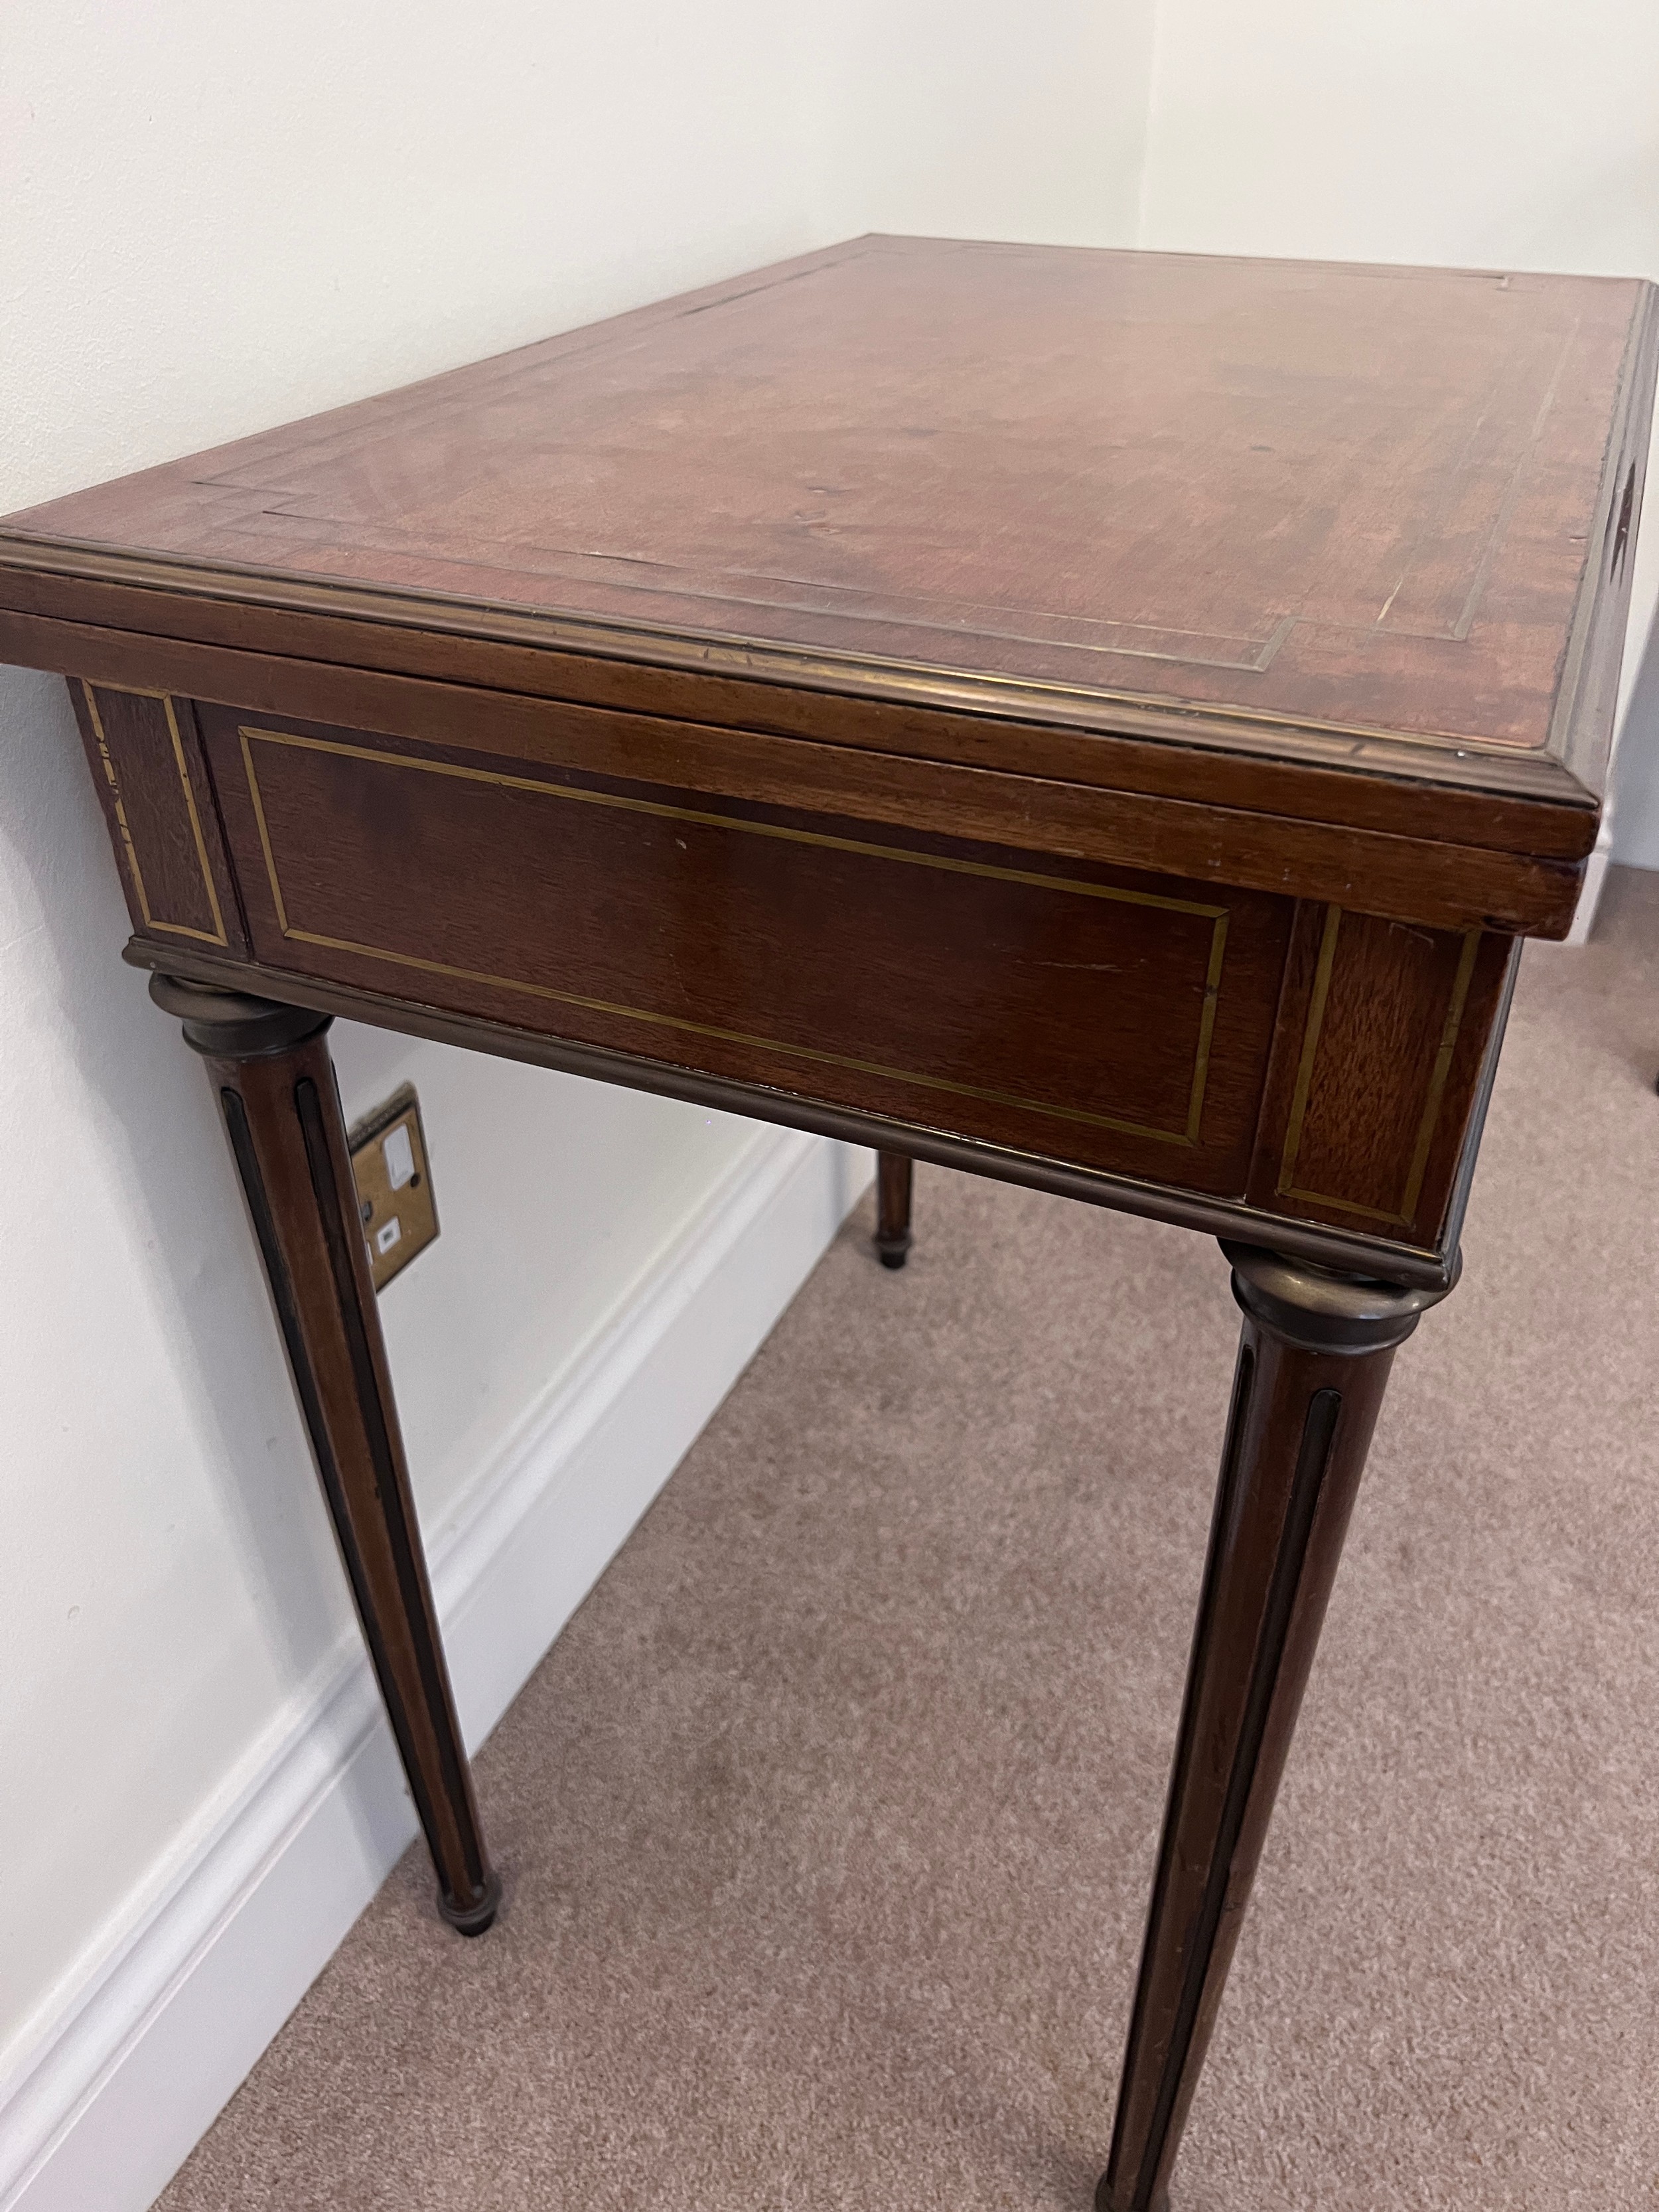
217	934
1287	1185
1218	916
1442	1061
735	822
1321	985
120	811
822	667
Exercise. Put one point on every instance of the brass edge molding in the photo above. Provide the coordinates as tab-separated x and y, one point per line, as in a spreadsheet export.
1529	903
1287	1185
729	654
1187	1137
216	935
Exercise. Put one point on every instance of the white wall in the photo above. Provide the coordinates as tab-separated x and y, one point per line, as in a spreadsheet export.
983	121
1507	133
214	220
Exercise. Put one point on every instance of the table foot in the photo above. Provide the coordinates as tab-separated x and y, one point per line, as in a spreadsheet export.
1313	1359
895	1180
478	1916
1106	2202
270	1070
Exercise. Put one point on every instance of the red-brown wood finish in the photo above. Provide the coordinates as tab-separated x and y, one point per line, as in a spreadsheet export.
1285	487
1301	1060
894	1187
1314	1357
145	753
274	1084
1115	1018
1105	720
1013	507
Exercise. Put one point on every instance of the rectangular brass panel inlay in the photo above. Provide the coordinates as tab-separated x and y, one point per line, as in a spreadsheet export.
217	934
1186	1136
1287	1185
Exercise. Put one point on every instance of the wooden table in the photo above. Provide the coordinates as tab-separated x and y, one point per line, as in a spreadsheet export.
1103	721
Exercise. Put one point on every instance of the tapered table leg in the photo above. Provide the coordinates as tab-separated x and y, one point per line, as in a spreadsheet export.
271	1068
895	1178
1313	1359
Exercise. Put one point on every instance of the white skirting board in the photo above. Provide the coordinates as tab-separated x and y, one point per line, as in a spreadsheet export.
163	2030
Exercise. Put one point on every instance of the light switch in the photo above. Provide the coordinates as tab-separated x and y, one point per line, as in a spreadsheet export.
394	1184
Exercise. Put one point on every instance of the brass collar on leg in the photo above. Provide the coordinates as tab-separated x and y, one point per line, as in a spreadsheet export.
1318	1309
231	1025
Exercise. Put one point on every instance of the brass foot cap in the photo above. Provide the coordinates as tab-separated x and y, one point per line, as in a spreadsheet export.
472	1919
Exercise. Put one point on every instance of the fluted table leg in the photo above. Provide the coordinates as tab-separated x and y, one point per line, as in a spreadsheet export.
1314	1358
270	1070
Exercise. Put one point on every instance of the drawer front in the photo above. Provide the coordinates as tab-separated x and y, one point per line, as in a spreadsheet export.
1083	1012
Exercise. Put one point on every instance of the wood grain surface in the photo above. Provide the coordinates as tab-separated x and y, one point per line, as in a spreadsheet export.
1116	1019
1366	513
1106	717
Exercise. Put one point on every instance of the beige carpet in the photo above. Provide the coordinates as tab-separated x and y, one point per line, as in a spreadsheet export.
828	1823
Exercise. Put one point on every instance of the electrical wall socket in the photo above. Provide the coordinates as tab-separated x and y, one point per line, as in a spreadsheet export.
394	1184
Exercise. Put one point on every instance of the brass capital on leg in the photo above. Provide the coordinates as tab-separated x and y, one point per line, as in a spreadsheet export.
232	1024
1314	1357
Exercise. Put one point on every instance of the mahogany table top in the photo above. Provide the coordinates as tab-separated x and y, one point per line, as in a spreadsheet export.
1362	517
